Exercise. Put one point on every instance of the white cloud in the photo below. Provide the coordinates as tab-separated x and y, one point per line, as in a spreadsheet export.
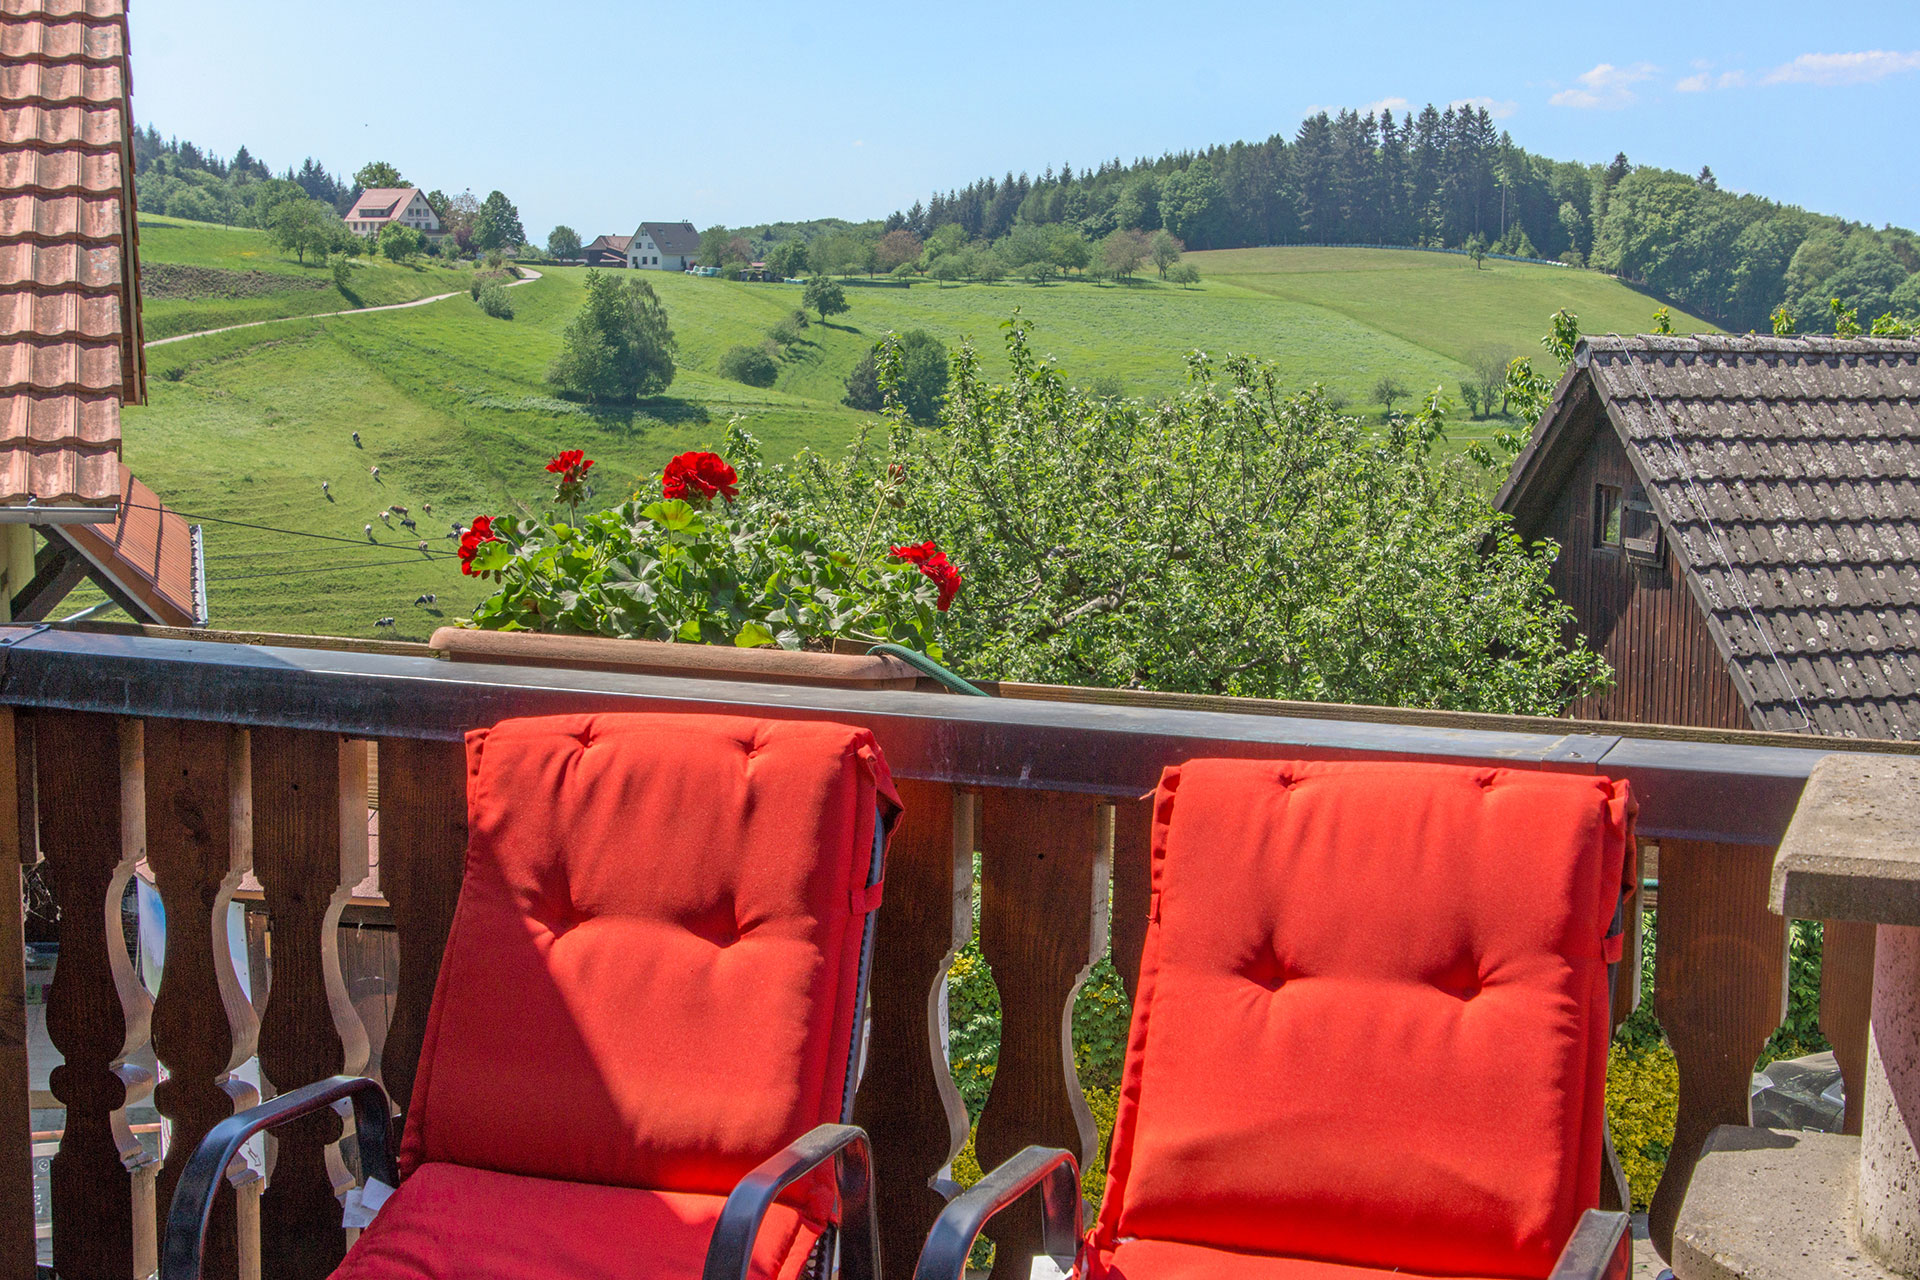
1605	87
1700	82
1498	110
1384	104
1843	68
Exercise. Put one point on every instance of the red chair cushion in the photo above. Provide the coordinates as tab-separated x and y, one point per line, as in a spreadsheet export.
1371	1025
651	974
1168	1260
447	1222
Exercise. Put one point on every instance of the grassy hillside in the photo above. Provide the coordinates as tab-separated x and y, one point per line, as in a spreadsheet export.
451	405
269	284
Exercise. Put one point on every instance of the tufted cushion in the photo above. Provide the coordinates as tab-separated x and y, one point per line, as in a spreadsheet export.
447	1221
1166	1260
652	971
1372	1018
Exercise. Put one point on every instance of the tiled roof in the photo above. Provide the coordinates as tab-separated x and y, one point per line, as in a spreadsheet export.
1786	472
612	244
148	554
382	202
673	237
70	342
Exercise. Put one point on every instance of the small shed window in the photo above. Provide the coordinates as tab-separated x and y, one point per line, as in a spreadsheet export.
1606	515
1640	528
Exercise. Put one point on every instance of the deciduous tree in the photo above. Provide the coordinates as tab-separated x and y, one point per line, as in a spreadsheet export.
896	248
497	225
824	295
1165	250
378	173
1123	252
563	242
619	347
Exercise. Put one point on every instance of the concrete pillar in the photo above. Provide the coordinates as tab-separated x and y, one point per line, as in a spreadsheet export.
1889	1166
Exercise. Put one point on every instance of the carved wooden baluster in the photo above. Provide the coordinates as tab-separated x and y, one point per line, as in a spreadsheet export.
309	850
1044	869
1615	1194
907	1100
91	818
199	844
1846	1001
1720	990
1132	887
16	1129
423	847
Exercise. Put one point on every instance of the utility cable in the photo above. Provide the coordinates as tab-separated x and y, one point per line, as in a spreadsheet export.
334	568
267	528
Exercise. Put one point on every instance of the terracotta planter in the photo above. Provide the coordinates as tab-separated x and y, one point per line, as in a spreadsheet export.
699	661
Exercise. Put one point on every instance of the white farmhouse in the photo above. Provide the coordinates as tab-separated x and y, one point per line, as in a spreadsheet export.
663	246
378	206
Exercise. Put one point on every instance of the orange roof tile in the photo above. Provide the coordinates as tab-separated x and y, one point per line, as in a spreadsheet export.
70	336
148	553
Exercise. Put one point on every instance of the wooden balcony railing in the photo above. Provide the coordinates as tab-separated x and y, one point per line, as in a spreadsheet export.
213	760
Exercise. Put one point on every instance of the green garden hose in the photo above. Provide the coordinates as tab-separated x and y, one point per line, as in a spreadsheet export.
928	667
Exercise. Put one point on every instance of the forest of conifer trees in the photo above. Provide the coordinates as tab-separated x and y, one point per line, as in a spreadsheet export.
1441	178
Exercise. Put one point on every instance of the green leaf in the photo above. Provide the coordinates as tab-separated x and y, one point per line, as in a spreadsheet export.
674	515
755	635
489	556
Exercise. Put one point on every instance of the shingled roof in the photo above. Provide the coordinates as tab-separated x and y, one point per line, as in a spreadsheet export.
677	238
1786	475
70	342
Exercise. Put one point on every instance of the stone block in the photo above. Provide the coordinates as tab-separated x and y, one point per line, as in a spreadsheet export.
1773	1204
1852	851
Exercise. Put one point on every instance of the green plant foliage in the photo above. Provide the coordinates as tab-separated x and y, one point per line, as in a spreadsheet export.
751	365
495	301
1643	1090
922	380
824	296
699	571
620	347
1235	539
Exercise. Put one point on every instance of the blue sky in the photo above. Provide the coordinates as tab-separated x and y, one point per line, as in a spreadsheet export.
600	113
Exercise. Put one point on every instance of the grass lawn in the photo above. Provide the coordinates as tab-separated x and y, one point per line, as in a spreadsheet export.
376	281
453	408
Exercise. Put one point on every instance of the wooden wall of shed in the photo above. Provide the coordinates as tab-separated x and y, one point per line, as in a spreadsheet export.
1641	617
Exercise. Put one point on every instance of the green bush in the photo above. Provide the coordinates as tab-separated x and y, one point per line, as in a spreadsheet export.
751	365
495	302
785	332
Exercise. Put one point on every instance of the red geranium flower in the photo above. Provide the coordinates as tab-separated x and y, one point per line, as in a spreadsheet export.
699	475
933	562
572	465
481	530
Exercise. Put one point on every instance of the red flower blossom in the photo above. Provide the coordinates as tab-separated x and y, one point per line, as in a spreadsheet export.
933	562
481	530
571	466
701	476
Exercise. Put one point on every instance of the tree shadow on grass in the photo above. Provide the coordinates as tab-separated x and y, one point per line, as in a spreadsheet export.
648	411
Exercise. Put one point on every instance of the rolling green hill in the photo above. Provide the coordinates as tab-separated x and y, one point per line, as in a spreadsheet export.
451	404
241	277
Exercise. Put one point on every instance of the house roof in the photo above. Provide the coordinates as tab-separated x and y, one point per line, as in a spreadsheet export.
1786	474
148	558
382	202
70	339
673	237
612	244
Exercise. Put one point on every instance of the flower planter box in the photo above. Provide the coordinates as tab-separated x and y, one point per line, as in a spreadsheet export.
696	661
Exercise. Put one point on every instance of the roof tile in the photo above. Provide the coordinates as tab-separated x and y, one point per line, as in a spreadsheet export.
60	83
69	217
54	266
52	315
58	39
58	366
61	474
34	125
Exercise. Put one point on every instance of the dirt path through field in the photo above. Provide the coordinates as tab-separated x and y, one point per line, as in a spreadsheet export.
529	278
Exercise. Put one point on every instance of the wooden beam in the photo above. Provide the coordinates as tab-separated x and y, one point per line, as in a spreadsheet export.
57	570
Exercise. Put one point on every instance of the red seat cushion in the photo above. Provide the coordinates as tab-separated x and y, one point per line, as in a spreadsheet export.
447	1221
651	975
1371	1024
1168	1260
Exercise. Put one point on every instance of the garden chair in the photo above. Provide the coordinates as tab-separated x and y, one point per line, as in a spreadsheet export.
647	1024
1370	1035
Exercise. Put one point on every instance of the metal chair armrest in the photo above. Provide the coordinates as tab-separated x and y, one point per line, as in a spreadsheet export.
730	1252
1056	1172
185	1245
1601	1248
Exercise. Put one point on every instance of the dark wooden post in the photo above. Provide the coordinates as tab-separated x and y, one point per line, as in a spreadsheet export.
199	844
16	1129
1720	990
423	847
92	814
1044	869
1132	887
907	1100
310	849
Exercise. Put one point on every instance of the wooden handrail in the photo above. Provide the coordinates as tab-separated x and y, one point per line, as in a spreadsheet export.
263	748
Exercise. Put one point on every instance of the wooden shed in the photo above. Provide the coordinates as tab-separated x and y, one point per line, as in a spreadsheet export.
1739	524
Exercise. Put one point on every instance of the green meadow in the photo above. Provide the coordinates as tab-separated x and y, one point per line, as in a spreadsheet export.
451	405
